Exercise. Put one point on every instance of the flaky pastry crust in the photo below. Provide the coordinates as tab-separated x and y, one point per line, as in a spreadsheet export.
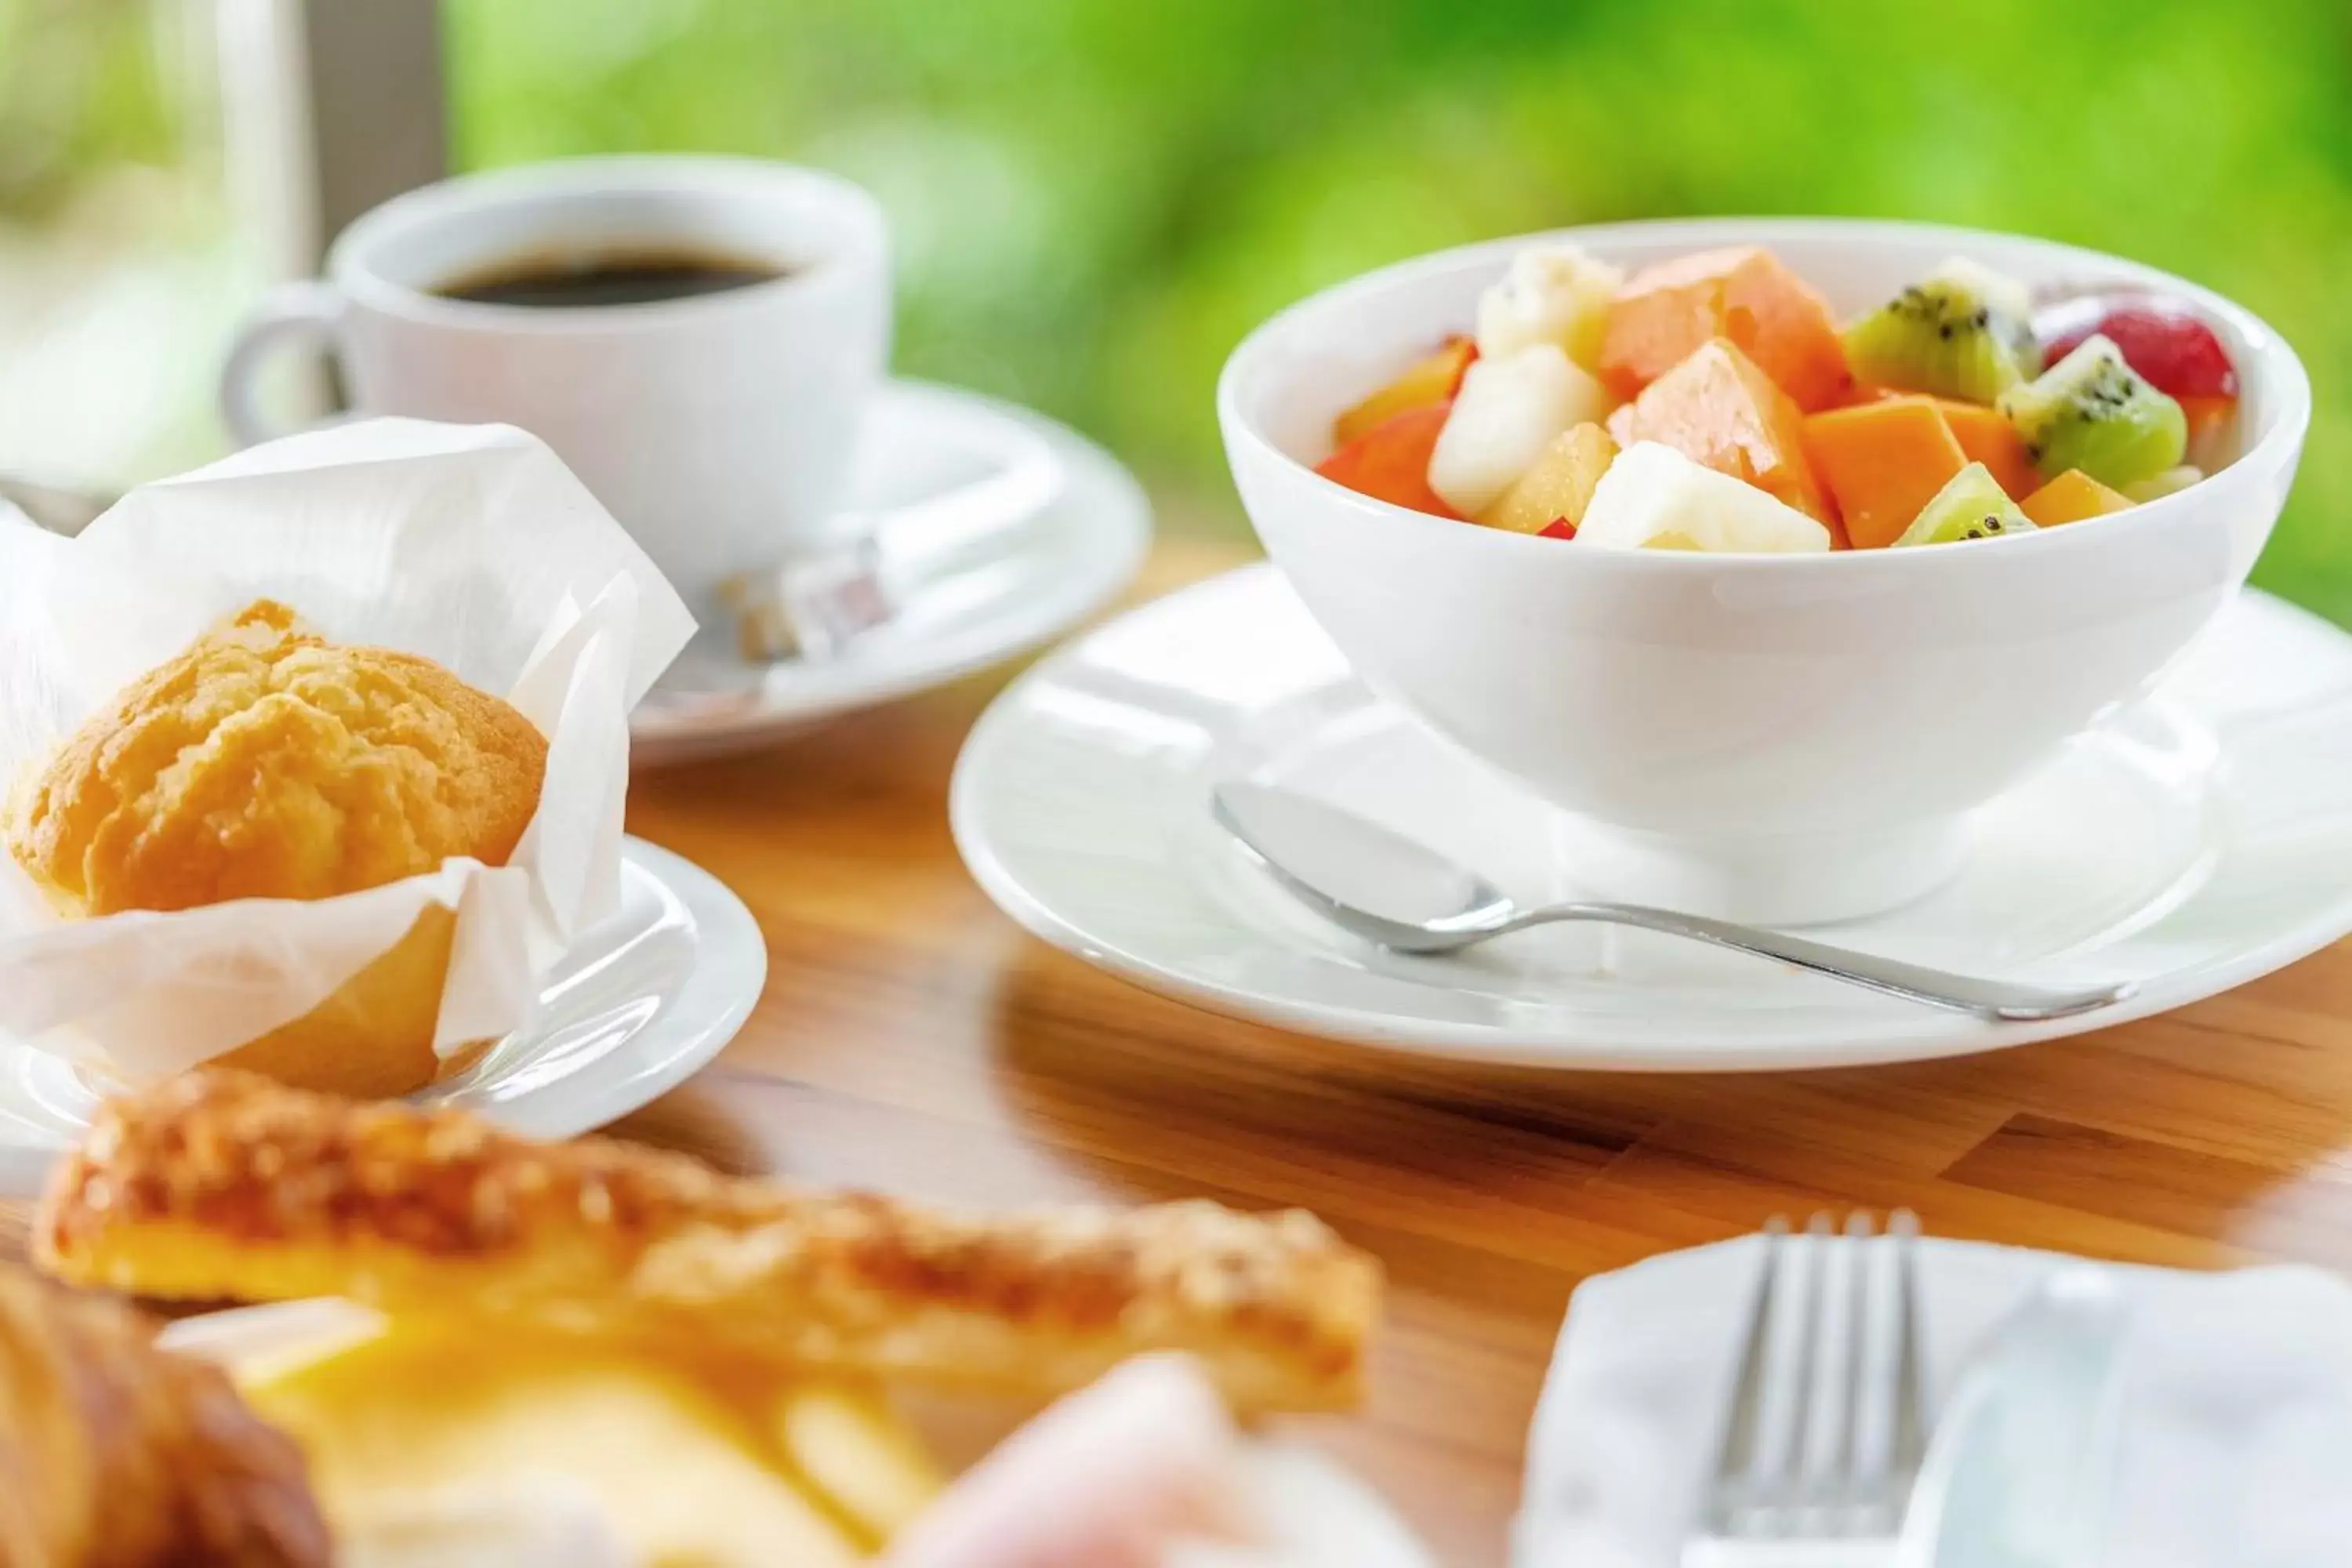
223	1184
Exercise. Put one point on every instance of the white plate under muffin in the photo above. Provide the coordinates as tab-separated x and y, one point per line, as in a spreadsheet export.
640	1003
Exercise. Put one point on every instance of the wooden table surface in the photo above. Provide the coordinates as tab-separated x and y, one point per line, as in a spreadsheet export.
913	1039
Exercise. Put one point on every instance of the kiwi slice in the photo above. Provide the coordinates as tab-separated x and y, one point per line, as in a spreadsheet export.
1971	505
1961	331
2092	411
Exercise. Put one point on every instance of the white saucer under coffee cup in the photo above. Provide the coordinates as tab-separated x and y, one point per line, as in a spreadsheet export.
718	427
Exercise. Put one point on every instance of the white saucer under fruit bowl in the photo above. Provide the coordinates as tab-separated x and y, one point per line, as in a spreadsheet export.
1004	588
641	1002
2195	840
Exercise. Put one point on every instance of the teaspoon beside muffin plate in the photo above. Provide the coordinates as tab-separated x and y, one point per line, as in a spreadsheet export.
642	1001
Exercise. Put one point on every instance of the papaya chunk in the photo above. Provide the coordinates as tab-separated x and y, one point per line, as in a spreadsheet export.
1881	462
1988	437
2070	497
1390	462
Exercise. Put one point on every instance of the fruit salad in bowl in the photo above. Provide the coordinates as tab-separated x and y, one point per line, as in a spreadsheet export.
1950	412
1767	548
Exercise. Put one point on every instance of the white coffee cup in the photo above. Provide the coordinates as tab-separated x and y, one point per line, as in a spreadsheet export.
718	427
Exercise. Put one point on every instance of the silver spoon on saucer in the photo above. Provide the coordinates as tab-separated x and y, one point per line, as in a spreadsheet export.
892	567
1405	897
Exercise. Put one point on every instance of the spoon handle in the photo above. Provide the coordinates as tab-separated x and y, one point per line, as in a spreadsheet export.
1999	1000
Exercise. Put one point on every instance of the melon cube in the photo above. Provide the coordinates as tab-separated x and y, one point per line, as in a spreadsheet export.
1718	408
1745	296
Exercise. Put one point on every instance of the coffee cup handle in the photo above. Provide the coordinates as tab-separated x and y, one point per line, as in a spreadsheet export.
290	314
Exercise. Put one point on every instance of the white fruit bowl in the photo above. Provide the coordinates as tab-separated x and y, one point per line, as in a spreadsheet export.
1782	738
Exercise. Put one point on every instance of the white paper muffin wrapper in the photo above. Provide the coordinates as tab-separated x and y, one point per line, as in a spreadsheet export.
472	545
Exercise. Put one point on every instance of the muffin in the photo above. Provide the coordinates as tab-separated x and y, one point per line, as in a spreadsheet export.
266	763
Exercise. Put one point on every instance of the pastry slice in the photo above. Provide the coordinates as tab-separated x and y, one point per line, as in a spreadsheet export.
226	1185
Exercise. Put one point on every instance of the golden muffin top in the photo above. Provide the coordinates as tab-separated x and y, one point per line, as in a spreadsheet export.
267	763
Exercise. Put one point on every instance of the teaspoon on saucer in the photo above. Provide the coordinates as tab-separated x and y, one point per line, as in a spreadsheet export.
1405	897
896	567
818	602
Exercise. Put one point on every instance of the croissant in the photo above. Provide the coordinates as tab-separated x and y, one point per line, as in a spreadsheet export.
115	1454
219	1184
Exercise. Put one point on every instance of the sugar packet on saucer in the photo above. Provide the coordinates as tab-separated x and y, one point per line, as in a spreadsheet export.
472	545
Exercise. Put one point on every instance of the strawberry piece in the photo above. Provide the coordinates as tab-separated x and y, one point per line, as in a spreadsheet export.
2178	353
1558	528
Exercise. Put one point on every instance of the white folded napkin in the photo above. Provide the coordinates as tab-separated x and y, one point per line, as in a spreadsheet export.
2236	1420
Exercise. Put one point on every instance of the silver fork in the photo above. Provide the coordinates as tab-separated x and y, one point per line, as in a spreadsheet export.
1828	1422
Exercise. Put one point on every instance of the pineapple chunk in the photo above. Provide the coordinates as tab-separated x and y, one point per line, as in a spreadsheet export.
1428	381
1559	486
1552	294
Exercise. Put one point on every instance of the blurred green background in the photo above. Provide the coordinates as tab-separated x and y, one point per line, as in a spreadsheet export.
1096	198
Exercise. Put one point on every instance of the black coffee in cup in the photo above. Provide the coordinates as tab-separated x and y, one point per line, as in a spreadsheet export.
637	276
